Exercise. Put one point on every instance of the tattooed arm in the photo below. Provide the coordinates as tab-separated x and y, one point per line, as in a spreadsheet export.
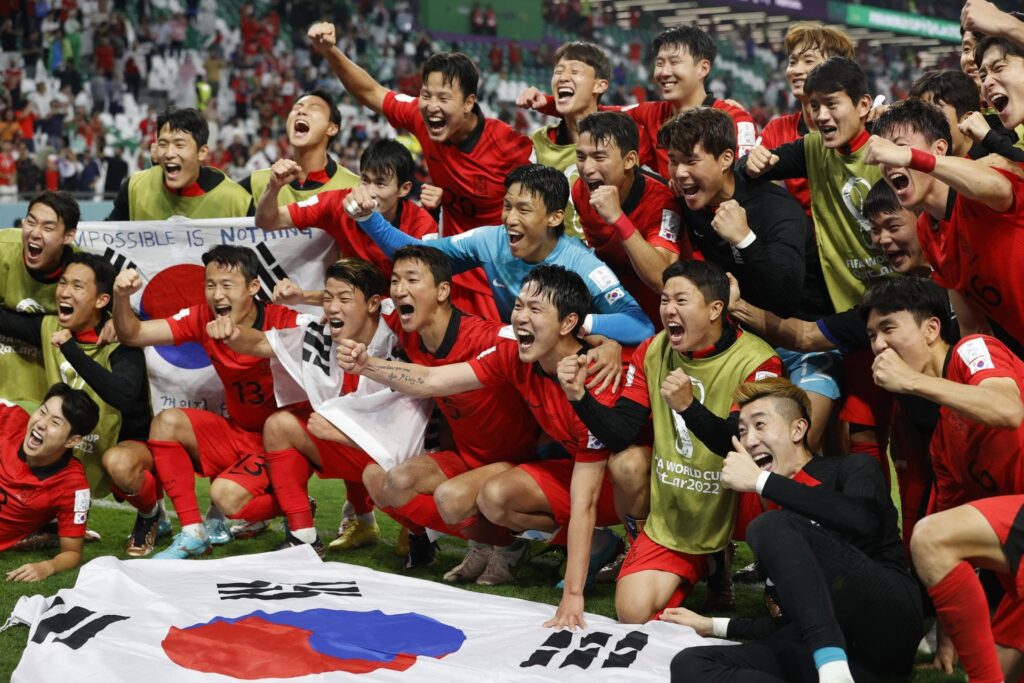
408	378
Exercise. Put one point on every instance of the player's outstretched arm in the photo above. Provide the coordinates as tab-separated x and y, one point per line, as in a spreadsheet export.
130	330
629	325
69	557
408	378
356	80
269	215
790	333
981	16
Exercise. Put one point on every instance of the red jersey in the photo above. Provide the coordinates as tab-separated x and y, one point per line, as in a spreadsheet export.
248	381
977	252
500	365
489	424
972	460
31	497
654	211
326	210
780	131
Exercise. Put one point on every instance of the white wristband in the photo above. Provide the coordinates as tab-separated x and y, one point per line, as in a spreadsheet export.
587	326
720	627
746	241
761	480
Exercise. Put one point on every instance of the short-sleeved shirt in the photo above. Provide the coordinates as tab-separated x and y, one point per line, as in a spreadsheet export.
472	172
492	424
248	380
652	208
972	460
32	496
779	131
326	211
500	365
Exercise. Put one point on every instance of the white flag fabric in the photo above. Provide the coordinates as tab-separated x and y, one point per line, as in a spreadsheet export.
286	616
388	425
168	255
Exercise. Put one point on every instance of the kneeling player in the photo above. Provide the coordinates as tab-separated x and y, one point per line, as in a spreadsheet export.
36	462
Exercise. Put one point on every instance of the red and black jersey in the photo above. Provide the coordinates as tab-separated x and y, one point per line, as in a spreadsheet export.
248	381
779	131
652	208
500	365
972	460
326	210
492	424
32	496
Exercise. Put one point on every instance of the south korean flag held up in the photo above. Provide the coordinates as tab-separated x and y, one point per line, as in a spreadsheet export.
286	616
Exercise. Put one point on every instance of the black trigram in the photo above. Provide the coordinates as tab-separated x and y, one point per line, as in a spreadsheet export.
316	347
76	622
588	650
119	261
263	590
270	272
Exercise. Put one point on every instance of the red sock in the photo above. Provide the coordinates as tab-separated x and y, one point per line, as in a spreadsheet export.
174	467
143	500
422	510
357	494
411	526
263	506
481	529
289	473
961	607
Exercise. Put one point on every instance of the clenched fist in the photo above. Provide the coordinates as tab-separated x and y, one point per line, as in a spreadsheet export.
760	160
430	196
284	171
127	282
677	390
882	151
531	98
322	36
605	200
730	222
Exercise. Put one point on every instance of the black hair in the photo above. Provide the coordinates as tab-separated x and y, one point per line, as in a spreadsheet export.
63	204
231	256
388	158
78	408
707	277
564	288
948	86
436	261
694	40
328	98
542	181
880	200
837	74
589	54
712	129
921	297
614	126
453	66
102	270
187	120
1005	46
359	273
915	115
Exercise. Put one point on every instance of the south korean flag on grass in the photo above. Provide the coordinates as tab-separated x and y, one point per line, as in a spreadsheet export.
286	616
388	425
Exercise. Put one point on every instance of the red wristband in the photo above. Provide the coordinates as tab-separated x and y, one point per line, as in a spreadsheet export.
624	226
922	161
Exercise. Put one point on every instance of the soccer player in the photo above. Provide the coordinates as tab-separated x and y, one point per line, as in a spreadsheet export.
579	79
630	218
304	369
808	44
830	543
574	492
467	154
960	200
31	262
690	515
187	441
683	59
36	463
752	229
531	233
386	172
179	184
976	454
312	124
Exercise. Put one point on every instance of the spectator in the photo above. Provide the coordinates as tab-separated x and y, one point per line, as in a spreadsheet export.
51	174
88	179
117	171
8	173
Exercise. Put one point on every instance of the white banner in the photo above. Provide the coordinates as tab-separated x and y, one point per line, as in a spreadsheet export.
286	616
168	254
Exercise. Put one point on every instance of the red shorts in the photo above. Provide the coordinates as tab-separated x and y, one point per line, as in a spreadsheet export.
865	403
222	443
646	554
1005	514
453	464
250	473
554	477
338	461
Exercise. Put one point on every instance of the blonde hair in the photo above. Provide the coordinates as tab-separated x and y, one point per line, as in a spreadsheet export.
777	388
811	34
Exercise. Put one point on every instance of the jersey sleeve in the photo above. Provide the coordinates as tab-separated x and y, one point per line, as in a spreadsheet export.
319	211
746	131
495	366
71	505
771	134
401	111
281	317
420	224
589	448
616	314
978	358
845	330
661	225
766	370
187	325
635	388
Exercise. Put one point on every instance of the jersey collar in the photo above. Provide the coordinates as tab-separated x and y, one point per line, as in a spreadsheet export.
801	125
467	145
89	336
257	324
46	471
451	335
709	101
317	178
636	193
856	143
729	335
536	368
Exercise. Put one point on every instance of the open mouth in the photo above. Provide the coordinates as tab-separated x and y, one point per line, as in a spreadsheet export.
764	460
594	183
667	85
336	323
564	94
514	237
900	181
435	123
896	256
405	311
828	131
525	339
35	439
301	126
999	101
222	311
64	311
675	332
34	250
172	170
690	190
